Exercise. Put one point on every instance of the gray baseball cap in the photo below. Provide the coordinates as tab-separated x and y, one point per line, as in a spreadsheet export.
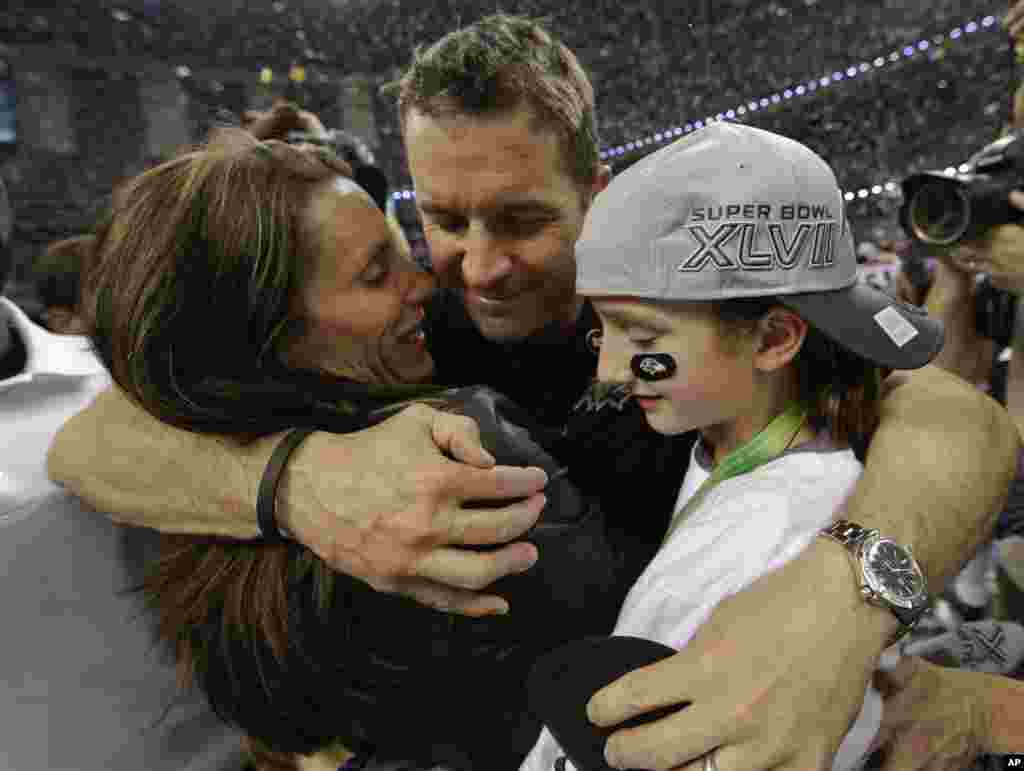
732	211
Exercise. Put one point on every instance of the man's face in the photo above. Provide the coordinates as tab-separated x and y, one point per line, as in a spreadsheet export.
501	215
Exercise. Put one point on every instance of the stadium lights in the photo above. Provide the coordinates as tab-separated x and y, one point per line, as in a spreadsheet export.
811	86
882	188
815	84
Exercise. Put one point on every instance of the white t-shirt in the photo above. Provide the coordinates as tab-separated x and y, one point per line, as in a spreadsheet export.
82	685
745	527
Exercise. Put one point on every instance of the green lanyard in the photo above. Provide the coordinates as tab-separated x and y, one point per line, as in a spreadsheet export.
769	443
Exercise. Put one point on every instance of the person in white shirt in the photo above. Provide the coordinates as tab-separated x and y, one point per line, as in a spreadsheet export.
81	685
723	270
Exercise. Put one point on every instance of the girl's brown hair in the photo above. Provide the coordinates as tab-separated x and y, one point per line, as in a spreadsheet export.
841	390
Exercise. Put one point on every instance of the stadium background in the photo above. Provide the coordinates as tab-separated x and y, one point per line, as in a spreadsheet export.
103	88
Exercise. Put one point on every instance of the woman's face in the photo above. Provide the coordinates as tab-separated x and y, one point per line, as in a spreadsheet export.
362	298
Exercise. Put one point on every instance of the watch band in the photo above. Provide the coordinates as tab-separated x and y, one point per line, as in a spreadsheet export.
851	535
848	533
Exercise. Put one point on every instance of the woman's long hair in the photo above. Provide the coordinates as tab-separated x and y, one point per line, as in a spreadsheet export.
191	294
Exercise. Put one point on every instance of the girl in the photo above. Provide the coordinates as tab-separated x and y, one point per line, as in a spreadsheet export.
723	270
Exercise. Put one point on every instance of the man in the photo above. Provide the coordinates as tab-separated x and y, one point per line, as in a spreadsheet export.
81	685
499	126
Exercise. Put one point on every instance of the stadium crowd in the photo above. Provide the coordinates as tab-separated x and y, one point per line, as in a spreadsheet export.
657	65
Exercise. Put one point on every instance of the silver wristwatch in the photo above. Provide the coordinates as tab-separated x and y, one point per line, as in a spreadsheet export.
889	575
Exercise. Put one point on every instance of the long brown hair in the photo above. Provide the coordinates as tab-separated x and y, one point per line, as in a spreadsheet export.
191	289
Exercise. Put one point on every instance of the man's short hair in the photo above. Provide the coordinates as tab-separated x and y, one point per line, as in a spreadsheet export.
497	65
6	227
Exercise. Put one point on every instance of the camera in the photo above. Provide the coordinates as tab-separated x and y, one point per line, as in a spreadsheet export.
942	210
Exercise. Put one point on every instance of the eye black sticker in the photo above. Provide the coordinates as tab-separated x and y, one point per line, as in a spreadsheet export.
653	366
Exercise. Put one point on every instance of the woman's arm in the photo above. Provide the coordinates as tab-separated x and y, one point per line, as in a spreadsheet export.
383	505
777	674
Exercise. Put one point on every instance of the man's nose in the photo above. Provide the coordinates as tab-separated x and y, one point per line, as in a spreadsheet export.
485	259
613	364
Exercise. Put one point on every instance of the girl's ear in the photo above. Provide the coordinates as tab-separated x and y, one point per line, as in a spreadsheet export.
781	334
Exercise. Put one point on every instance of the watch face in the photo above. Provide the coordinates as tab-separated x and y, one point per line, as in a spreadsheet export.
892	572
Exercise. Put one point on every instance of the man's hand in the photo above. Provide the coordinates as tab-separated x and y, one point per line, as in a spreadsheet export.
385	506
933	718
775	677
1000	252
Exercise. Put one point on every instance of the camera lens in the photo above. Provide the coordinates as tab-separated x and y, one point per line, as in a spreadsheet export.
939	213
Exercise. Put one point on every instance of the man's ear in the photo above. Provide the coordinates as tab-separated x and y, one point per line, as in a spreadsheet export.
601	180
781	333
604	176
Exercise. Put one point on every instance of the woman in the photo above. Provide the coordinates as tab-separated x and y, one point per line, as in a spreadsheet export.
247	287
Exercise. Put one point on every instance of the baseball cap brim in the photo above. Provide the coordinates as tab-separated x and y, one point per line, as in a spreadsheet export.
870	323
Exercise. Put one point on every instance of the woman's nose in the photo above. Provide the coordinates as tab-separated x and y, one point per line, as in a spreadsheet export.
419	285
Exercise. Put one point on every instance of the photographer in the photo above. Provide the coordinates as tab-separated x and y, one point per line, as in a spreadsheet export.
937	717
1000	254
947	291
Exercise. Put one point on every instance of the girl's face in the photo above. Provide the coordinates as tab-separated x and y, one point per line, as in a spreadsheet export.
713	383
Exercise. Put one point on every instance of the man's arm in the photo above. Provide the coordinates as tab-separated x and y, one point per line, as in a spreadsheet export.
938	470
777	674
383	505
124	462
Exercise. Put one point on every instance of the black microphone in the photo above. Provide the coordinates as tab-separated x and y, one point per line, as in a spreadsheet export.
564	680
